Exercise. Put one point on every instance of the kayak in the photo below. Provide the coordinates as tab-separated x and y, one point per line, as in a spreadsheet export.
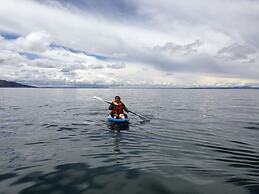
118	124
112	119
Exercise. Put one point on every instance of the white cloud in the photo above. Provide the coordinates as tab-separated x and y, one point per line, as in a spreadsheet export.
36	41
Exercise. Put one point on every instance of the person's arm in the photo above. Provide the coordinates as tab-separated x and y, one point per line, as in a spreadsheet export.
111	107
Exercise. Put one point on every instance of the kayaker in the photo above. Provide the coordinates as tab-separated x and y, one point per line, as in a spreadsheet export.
117	108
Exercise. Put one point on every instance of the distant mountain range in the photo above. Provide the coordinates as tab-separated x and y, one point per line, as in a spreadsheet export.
8	84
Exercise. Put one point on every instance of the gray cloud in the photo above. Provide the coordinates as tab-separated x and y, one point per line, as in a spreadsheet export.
65	70
116	66
73	67
234	18
176	48
43	63
95	66
69	73
196	64
236	52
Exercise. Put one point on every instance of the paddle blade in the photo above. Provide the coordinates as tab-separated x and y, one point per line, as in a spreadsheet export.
98	98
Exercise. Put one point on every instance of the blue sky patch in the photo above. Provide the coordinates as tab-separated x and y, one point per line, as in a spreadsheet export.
99	57
52	45
30	56
9	36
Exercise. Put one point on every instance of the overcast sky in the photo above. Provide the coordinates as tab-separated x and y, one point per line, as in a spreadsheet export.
130	42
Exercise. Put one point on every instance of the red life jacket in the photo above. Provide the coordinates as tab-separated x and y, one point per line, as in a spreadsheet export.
118	108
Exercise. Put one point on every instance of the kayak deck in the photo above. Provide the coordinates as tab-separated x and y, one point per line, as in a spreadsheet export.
110	118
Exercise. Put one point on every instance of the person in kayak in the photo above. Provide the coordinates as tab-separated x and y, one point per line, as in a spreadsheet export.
117	108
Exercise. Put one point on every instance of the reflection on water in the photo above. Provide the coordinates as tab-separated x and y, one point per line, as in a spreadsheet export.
117	139
118	126
198	141
81	178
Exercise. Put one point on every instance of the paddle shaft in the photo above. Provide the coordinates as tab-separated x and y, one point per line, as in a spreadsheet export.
138	115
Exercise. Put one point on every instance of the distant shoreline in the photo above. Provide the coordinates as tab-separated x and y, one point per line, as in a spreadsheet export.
125	88
11	84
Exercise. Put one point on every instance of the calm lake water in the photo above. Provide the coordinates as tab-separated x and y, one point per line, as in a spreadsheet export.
198	141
